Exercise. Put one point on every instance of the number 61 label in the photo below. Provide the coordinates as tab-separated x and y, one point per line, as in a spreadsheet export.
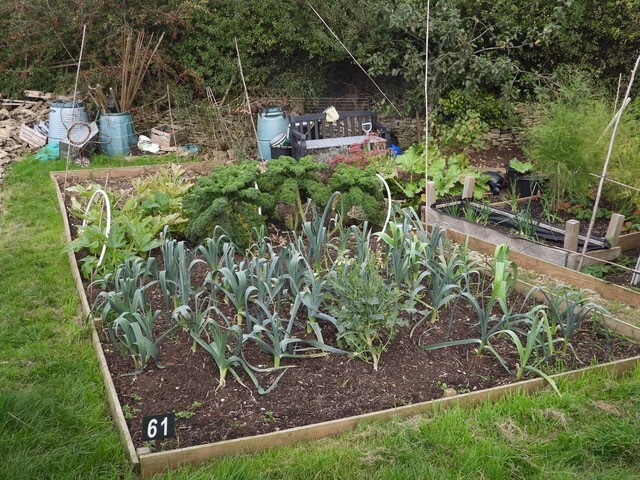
159	426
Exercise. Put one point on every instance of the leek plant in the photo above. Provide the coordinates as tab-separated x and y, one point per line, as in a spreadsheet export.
489	324
132	333
403	253
222	257
355	236
237	288
312	296
418	227
275	337
224	344
480	214
448	277
437	243
228	258
568	310
129	283
225	347
317	235
141	270
212	248
267	275
262	245
505	276
537	348
195	319
125	298
298	270
526	224
175	279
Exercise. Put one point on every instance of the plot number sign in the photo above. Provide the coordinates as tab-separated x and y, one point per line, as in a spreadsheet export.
158	427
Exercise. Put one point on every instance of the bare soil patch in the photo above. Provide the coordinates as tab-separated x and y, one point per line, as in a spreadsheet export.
326	388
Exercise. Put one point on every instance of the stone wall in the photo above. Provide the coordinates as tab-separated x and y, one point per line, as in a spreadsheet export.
411	130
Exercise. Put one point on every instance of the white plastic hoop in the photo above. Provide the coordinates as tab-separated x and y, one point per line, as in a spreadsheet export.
386	186
107	230
259	207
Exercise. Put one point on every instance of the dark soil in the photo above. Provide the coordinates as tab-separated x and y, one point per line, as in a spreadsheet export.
616	274
325	388
495	158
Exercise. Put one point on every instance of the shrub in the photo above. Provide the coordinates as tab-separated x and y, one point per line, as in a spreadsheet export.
363	155
567	144
497	112
466	131
571	141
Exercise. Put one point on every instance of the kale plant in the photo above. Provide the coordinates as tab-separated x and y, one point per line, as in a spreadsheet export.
289	184
227	198
361	193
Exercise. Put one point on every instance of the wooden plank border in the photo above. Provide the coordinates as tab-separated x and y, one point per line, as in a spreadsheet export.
629	241
121	172
552	254
148	464
112	397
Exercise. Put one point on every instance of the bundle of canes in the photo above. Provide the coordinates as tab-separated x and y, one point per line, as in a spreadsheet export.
135	62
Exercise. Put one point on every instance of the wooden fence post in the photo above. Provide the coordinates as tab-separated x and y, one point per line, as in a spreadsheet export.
571	231
469	184
430	194
615	227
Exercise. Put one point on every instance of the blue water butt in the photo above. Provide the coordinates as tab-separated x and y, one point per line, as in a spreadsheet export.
65	116
271	122
116	133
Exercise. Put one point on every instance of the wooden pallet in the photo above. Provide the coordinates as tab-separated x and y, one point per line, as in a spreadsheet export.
30	136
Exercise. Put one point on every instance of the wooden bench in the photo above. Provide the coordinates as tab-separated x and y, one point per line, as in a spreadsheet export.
312	131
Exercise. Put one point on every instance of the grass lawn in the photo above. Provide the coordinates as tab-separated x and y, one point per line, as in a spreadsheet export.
54	421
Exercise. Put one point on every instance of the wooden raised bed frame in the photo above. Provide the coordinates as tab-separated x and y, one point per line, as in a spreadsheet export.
148	464
567	256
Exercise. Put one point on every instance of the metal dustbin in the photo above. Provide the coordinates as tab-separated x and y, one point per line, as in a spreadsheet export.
280	146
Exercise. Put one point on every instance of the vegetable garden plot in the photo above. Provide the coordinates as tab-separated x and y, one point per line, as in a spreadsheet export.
303	301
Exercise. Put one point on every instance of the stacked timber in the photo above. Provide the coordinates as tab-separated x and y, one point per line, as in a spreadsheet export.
21	129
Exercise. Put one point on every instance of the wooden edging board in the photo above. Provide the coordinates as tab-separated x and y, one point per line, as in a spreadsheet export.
629	241
120	172
112	396
104	173
626	242
148	464
464	227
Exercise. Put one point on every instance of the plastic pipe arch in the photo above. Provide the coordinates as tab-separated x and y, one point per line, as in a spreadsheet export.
107	229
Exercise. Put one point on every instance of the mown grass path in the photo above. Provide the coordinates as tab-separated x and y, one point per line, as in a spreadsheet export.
54	421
